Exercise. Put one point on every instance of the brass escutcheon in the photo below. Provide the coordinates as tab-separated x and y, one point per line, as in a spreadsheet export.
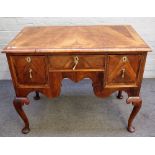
124	59
28	59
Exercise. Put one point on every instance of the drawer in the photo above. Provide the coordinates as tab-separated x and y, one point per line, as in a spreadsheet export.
76	62
123	69
30	69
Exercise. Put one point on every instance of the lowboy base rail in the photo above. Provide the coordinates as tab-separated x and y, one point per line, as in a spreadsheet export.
113	57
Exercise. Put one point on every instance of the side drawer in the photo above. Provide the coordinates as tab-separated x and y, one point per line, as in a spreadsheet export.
30	70
123	69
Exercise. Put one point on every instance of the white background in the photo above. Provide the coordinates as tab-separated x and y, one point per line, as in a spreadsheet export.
78	8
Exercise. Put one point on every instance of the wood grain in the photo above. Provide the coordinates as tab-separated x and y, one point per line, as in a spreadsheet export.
57	39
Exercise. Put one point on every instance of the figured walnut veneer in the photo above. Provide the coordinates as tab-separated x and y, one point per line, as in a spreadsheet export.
113	57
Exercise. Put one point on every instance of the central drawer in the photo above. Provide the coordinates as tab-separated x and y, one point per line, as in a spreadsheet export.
77	62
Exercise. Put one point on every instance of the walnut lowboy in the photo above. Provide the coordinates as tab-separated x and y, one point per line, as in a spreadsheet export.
113	57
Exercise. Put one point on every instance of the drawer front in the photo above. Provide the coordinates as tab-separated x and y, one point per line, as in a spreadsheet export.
77	62
123	69
30	69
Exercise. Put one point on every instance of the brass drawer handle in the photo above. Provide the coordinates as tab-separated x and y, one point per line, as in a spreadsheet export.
76	60
30	72
123	73
28	59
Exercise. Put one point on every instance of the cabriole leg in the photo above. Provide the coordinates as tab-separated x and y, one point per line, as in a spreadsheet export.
18	103
120	96
37	97
137	103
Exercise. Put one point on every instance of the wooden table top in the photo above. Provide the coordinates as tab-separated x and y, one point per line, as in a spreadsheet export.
100	38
